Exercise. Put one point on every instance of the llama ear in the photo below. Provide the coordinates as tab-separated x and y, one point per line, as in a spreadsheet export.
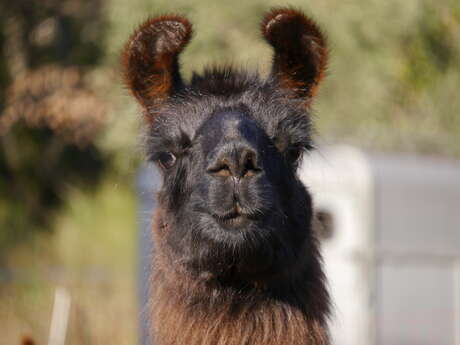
150	58
300	52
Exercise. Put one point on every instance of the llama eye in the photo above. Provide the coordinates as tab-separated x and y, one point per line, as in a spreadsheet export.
166	159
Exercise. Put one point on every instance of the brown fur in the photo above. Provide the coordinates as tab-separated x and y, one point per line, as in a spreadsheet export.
150	58
176	321
300	69
194	311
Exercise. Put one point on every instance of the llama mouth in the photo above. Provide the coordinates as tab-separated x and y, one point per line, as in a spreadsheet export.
234	217
230	218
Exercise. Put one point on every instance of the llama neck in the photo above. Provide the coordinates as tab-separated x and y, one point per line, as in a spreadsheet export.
188	311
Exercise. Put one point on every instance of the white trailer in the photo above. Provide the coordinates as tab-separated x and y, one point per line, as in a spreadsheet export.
390	227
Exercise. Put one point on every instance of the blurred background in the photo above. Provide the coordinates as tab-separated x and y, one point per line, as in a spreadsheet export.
69	132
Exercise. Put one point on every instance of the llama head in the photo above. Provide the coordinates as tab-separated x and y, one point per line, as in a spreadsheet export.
228	144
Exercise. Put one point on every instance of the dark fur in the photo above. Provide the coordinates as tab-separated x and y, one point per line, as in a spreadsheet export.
236	260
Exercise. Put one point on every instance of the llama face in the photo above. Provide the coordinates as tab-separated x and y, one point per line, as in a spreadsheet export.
229	144
231	195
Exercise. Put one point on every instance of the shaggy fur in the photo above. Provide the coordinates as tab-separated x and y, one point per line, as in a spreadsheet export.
236	261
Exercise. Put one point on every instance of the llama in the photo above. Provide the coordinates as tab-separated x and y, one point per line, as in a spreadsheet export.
236	261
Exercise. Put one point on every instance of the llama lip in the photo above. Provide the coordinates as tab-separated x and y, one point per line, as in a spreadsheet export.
233	214
234	217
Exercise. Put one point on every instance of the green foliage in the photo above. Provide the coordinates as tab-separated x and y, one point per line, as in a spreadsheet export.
49	117
67	32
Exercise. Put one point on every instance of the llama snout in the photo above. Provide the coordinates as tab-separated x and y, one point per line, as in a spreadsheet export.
235	161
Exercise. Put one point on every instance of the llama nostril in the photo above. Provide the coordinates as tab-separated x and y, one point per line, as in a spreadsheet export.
249	164
220	168
223	171
239	162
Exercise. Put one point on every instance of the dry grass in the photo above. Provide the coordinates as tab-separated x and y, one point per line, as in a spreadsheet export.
93	256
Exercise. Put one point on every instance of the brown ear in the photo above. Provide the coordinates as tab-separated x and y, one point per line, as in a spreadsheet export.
300	52
150	58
